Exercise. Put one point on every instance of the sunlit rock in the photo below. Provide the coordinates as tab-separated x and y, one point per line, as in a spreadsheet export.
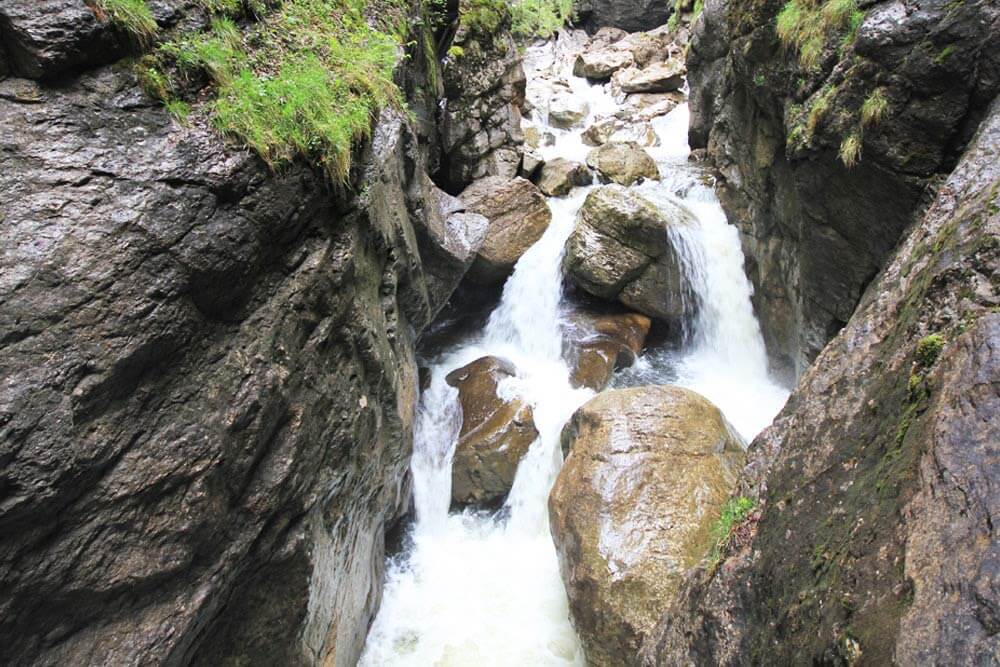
647	472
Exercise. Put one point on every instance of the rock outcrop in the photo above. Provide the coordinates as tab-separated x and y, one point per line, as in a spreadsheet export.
602	344
518	215
624	163
496	434
877	543
208	371
621	250
825	153
630	15
647	472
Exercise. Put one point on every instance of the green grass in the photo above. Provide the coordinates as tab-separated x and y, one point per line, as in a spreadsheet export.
875	107
132	16
734	511
483	17
819	107
539	18
807	26
850	149
179	109
306	82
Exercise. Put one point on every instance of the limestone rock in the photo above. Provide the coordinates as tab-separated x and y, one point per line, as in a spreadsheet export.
559	176
620	130
600	65
623	163
647	472
620	249
531	163
603	344
496	434
566	110
661	77
518	216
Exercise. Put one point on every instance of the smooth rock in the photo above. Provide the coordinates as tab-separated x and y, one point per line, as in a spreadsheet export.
646	474
566	110
518	216
603	344
623	163
559	176
600	65
495	435
661	77
620	130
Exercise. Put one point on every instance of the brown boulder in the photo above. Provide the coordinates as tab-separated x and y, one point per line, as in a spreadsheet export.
647	473
624	163
603	344
600	65
620	130
518	216
662	77
559	176
495	435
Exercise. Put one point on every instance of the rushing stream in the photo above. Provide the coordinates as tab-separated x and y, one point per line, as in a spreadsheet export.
477	589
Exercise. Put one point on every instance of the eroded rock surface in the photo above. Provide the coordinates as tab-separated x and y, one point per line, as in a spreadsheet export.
625	163
630	15
647	472
603	344
518	215
496	434
621	249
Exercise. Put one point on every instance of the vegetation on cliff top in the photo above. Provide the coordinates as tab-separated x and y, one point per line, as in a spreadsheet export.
529	18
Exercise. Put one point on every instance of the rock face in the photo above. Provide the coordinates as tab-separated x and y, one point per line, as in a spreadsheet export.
631	15
208	375
559	176
647	472
496	434
518	216
623	163
878	539
603	344
484	91
621	249
815	231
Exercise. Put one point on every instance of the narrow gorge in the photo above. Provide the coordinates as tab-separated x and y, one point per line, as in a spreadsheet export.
472	332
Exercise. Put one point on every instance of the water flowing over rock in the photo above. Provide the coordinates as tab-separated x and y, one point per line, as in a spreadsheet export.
815	231
622	163
879	479
559	176
621	249
646	474
496	434
602	344
518	216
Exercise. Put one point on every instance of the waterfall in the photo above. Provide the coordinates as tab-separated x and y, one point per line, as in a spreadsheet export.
484	589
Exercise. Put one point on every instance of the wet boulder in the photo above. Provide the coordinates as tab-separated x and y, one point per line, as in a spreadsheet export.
566	110
559	176
603	344
661	77
620	130
625	163
621	250
518	216
647	472
496	434
600	65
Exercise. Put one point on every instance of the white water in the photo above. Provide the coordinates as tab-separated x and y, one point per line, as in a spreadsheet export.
475	589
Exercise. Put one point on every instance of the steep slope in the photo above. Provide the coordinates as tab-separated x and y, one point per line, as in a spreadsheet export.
208	371
875	538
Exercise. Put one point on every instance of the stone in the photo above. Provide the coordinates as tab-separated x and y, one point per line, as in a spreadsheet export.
620	130
566	110
559	176
518	215
604	343
630	15
531	163
623	163
661	77
646	474
621	250
496	434
651	105
600	65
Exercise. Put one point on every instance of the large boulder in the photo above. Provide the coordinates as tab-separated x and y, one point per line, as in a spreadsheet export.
496	434
566	110
620	130
630	15
624	163
647	472
600	65
518	216
559	176
621	250
602	344
661	77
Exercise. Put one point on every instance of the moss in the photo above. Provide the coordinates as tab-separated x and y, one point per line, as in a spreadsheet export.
850	149
455	51
928	349
483	17
875	107
132	16
945	53
820	105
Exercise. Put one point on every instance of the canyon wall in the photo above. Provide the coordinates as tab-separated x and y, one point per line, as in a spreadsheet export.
208	371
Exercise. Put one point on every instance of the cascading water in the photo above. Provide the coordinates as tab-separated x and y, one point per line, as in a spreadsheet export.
479	589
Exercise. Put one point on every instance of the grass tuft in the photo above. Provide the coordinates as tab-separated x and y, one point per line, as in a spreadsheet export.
132	16
807	26
733	513
850	149
875	108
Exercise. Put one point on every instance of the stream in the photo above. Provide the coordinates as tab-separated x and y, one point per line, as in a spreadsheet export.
475	588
